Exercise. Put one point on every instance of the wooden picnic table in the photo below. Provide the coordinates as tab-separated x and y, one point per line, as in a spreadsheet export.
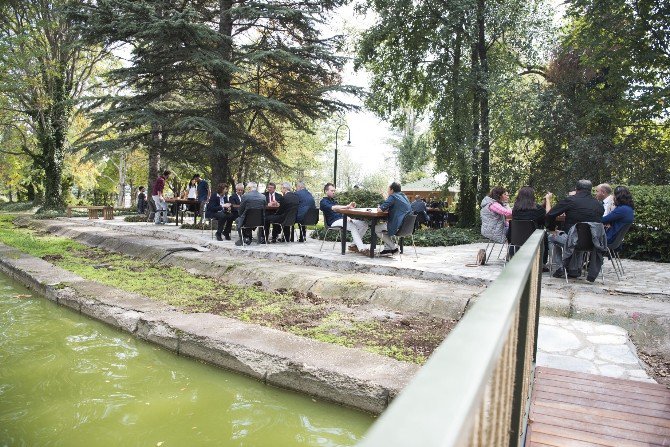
107	211
370	214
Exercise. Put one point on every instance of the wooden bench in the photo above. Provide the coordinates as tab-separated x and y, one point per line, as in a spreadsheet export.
93	211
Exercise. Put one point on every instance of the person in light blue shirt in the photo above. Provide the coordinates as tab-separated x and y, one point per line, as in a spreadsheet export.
622	214
398	206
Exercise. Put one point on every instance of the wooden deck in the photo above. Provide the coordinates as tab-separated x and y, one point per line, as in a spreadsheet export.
570	409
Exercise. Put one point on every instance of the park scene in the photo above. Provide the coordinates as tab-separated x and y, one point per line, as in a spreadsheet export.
369	223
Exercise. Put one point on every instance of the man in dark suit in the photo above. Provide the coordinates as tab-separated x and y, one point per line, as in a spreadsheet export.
578	207
270	194
288	203
236	199
306	203
250	201
218	208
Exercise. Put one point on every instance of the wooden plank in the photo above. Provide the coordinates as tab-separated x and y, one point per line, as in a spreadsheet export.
631	385
630	400
601	427
639	423
578	435
586	402
543	370
610	387
596	388
560	441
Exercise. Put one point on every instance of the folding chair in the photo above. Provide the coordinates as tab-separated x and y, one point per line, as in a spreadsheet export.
337	230
253	219
287	224
406	230
311	218
202	223
520	231
584	246
151	210
613	250
492	243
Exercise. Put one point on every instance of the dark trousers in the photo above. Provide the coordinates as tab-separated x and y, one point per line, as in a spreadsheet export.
274	219
225	222
247	232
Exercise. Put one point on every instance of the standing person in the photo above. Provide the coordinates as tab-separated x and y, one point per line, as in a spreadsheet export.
141	201
271	195
525	208
578	207
217	209
305	202
251	200
159	199
288	202
203	193
622	214
357	228
494	213
397	204
604	195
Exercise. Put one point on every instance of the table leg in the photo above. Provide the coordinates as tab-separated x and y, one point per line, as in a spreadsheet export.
373	237
402	244
343	236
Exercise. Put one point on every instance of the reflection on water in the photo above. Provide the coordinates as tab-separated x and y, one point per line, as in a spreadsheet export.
66	380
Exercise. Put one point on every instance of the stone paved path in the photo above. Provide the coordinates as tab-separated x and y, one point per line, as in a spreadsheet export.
588	347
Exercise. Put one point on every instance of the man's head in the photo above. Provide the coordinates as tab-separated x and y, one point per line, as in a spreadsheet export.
239	188
603	190
417	198
196	177
300	185
166	173
222	188
584	185
285	187
329	190
271	187
141	188
252	186
394	187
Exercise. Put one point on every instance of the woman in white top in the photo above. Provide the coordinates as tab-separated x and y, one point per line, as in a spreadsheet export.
192	190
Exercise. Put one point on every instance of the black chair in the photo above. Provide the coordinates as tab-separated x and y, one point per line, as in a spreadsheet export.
407	230
287	224
520	231
583	247
452	218
420	220
253	219
311	218
614	248
150	210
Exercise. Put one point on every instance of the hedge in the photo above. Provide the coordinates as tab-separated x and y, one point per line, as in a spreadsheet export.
649	238
426	237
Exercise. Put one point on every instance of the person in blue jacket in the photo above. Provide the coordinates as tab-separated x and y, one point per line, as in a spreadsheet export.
621	215
306	202
398	206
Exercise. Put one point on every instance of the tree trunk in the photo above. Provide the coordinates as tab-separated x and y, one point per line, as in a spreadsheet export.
155	150
123	168
484	110
220	158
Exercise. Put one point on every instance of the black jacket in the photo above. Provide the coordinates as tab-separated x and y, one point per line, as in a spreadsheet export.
267	196
288	202
234	200
582	207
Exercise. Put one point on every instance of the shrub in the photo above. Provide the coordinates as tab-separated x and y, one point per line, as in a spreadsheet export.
427	237
364	198
649	237
142	218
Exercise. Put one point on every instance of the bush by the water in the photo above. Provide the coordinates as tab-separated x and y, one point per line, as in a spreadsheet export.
649	238
16	207
426	237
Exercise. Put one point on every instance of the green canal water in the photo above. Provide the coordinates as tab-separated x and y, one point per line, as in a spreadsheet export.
66	380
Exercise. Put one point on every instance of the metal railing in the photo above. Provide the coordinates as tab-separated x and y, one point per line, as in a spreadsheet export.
475	388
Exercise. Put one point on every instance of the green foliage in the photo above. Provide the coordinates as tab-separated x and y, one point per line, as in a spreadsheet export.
364	198
649	238
15	207
425	237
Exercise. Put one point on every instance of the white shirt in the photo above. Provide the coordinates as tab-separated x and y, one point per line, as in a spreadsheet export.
192	192
608	203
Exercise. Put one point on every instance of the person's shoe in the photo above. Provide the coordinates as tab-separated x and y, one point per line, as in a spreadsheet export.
545	269
218	237
301	240
248	241
353	249
226	237
558	273
364	252
261	240
238	242
590	279
576	274
388	252
274	240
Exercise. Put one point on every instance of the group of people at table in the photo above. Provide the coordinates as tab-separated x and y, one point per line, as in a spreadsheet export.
607	213
226	208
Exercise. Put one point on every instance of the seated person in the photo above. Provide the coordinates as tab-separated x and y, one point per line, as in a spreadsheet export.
621	215
398	207
579	206
219	209
306	202
604	195
494	212
357	228
252	199
525	208
288	202
419	208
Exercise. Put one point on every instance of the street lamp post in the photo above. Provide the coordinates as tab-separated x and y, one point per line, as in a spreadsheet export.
348	142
